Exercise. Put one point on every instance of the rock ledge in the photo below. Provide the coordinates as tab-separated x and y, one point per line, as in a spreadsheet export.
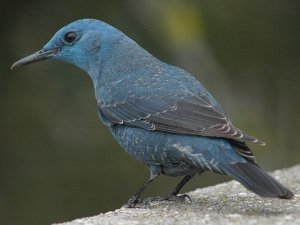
226	203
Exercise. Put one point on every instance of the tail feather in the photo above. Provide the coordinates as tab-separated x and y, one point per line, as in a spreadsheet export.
257	180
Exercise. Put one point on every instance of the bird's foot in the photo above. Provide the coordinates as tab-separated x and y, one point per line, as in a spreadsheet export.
169	197
132	202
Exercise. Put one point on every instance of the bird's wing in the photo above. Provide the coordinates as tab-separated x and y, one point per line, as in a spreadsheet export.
183	112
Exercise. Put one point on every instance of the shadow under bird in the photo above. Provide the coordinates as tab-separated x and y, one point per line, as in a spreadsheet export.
160	114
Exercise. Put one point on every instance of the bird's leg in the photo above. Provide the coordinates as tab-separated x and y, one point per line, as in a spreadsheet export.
135	197
179	186
172	196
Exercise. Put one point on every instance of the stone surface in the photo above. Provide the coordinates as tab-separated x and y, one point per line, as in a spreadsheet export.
227	203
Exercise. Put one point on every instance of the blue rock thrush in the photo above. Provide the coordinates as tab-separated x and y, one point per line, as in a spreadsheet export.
160	114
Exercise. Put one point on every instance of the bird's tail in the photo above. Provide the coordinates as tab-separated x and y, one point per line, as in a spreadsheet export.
257	180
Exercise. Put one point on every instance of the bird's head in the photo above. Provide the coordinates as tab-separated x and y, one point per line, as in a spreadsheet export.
78	43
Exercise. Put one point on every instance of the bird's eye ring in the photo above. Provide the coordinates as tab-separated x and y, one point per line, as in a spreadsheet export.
70	37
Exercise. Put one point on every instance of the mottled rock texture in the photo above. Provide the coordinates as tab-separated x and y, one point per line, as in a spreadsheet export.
227	203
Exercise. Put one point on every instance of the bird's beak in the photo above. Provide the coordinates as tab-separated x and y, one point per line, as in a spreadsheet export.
35	57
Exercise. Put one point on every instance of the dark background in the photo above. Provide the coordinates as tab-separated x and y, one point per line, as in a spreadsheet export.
58	162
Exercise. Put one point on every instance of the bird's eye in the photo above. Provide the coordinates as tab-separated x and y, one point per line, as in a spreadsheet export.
70	37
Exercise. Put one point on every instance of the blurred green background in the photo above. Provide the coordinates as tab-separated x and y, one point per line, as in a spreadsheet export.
58	162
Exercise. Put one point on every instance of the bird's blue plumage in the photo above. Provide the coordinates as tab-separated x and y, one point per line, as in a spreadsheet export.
176	154
160	114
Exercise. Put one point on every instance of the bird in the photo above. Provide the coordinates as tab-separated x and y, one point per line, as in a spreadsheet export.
160	114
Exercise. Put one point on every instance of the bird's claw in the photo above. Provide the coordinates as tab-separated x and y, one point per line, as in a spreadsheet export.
169	197
132	202
185	196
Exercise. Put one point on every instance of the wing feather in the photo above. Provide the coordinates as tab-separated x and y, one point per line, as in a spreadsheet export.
184	113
